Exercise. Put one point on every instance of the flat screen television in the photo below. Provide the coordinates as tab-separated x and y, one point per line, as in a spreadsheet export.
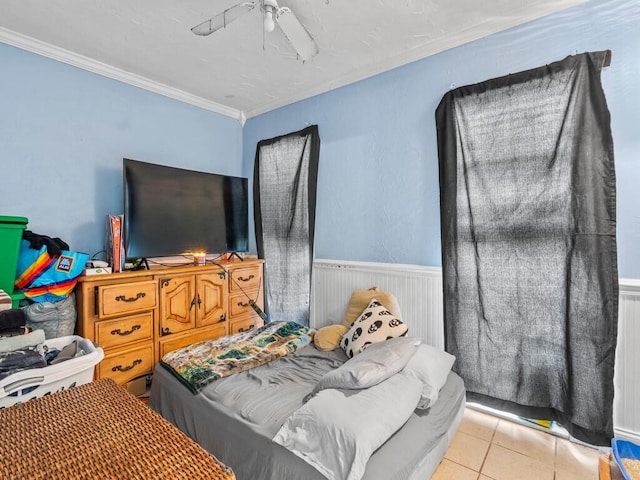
172	211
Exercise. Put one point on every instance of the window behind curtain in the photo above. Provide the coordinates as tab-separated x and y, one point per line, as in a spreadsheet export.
527	187
285	177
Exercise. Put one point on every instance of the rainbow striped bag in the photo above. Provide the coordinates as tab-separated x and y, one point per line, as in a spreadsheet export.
43	278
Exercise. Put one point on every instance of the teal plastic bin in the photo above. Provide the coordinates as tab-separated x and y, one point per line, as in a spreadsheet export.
11	229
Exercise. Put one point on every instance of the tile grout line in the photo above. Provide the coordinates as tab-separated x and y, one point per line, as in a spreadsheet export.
557	439
555	458
491	442
484	460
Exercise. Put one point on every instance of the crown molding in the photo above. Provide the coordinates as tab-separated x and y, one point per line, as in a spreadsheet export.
60	54
436	46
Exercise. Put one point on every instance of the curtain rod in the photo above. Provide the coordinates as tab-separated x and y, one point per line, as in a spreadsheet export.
606	59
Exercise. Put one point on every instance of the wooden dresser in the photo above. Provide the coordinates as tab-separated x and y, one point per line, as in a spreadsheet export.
138	317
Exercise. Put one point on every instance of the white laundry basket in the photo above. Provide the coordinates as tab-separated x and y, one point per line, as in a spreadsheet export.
38	382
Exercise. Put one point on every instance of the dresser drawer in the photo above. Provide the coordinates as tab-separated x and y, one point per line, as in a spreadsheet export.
179	340
126	298
244	325
239	305
127	365
245	278
124	330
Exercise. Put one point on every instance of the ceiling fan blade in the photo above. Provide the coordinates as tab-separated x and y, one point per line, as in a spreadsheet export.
223	19
295	32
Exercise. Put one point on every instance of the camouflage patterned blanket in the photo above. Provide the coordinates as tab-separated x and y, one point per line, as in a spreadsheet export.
199	364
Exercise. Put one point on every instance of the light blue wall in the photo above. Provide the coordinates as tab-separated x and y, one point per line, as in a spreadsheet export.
378	193
64	132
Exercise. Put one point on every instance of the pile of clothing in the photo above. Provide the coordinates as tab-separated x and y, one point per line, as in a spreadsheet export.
23	349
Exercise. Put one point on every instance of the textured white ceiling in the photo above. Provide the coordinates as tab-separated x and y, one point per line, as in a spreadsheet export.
239	71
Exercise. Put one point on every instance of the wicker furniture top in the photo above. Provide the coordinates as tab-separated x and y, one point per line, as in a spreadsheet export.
98	430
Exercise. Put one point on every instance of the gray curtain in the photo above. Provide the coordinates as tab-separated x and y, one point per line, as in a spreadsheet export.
285	177
527	187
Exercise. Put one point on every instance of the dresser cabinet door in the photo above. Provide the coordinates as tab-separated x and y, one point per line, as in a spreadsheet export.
211	299
178	304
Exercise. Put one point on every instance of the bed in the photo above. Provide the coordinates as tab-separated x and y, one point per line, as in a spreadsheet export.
237	417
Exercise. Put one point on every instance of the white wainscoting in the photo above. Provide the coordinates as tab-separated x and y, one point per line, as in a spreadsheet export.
419	293
417	288
626	404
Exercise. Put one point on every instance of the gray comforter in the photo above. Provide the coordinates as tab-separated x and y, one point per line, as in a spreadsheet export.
235	418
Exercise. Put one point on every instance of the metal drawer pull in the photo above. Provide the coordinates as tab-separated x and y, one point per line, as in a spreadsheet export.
246	329
120	368
241	304
223	317
122	298
117	331
242	279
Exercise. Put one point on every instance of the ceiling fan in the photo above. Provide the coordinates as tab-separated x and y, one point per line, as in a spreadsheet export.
295	32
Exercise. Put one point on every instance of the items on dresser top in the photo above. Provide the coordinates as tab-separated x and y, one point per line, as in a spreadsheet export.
98	430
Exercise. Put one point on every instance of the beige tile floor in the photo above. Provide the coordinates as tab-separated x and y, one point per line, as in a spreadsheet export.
490	448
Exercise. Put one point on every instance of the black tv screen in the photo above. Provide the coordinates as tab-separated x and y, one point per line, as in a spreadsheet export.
172	211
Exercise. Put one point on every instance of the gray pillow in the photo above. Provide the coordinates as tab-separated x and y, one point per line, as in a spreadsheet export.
375	364
338	430
431	366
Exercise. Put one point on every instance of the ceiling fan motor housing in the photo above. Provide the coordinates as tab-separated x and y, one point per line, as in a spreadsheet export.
303	43
270	8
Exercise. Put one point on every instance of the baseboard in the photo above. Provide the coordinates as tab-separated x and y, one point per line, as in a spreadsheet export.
627	435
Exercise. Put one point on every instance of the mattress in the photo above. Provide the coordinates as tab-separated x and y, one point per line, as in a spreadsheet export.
235	419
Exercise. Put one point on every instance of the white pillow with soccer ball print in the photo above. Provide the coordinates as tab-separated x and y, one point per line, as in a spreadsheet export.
375	324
